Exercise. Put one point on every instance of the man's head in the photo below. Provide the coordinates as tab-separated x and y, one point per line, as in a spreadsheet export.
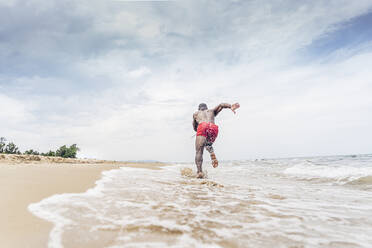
203	106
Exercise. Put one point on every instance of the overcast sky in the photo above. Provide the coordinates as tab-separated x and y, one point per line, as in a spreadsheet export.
123	78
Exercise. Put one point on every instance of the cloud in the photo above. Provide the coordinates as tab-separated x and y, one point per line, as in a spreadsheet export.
142	71
122	79
13	111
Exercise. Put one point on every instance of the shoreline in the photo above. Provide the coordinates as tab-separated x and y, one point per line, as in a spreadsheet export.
24	180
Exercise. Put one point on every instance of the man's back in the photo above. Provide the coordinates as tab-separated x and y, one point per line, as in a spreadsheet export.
204	116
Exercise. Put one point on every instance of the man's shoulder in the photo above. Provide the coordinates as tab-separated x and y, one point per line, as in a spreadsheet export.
210	111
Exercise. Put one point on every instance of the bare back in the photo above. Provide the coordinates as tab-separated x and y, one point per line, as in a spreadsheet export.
208	115
204	116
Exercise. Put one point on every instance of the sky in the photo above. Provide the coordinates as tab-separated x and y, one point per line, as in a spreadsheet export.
122	79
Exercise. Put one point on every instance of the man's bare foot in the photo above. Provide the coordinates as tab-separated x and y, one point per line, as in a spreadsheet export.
214	160
214	163
200	175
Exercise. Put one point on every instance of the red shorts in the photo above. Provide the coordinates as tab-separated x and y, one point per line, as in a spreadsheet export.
208	130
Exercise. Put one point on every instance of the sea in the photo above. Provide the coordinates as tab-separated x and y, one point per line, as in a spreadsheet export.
292	202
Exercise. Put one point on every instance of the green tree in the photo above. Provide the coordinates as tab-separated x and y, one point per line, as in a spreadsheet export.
11	148
31	152
67	152
50	153
2	144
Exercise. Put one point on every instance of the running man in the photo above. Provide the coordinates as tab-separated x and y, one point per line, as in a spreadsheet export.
206	132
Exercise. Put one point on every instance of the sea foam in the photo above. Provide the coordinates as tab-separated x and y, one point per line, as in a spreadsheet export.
261	203
341	174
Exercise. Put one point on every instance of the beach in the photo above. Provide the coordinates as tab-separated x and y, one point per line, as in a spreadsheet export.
293	202
26	179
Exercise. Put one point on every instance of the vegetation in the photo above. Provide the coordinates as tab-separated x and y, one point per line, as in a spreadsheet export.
2	144
31	152
64	151
50	154
9	148
67	152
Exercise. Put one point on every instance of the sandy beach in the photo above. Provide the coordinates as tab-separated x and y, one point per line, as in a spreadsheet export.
294	202
28	179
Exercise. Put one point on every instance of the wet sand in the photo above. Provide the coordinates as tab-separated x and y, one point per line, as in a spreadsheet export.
257	203
24	181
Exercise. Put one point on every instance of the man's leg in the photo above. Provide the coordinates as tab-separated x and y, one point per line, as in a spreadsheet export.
209	148
199	148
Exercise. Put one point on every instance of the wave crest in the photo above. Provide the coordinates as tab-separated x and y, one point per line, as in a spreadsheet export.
340	174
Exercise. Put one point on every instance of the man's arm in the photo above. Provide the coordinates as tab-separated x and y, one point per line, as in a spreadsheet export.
194	123
221	106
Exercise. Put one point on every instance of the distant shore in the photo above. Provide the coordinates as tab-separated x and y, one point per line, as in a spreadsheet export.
26	179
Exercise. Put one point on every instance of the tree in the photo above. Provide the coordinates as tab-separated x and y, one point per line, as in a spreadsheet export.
63	151
67	152
31	152
50	153
2	144
11	148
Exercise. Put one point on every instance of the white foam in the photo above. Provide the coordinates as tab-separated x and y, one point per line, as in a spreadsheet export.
45	209
52	215
129	202
338	173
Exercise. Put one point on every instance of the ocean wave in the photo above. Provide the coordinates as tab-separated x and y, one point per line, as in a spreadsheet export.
367	180
340	174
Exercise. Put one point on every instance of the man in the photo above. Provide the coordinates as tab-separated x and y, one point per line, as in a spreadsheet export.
206	132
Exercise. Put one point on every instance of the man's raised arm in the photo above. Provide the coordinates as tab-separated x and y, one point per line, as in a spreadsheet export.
221	106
